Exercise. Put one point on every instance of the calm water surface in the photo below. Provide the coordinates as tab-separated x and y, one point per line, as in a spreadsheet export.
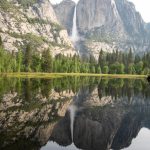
74	113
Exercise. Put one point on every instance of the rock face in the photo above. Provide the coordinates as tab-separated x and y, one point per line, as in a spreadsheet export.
65	9
32	21
102	14
115	22
148	27
109	24
132	20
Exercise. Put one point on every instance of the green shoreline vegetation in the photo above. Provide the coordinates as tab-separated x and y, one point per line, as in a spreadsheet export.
60	75
30	86
29	63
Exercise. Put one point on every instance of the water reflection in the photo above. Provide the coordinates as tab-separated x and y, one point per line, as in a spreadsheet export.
74	113
141	141
55	146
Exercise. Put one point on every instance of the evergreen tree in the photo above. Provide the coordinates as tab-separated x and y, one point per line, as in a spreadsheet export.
19	60
28	58
36	63
146	71
92	69
137	59
121	68
98	69
1	59
131	69
101	58
117	56
105	69
139	67
47	65
75	67
92	60
130	56
1	42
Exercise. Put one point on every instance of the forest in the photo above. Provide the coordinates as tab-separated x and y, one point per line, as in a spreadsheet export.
116	62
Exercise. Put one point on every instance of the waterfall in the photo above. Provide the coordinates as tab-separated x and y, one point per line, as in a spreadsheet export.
74	36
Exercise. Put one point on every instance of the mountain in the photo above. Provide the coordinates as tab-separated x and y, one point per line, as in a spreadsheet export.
66	8
34	21
102	24
148	27
108	24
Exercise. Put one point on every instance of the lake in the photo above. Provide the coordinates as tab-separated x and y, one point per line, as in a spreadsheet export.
73	113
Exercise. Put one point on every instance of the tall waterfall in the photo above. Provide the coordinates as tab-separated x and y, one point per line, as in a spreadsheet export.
74	36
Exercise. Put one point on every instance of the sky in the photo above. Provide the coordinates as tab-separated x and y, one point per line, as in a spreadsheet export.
143	6
58	1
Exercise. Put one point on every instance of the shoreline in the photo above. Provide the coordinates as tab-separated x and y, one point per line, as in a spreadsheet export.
60	75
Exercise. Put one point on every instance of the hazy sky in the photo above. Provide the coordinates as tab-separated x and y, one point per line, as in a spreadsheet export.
58	1
143	6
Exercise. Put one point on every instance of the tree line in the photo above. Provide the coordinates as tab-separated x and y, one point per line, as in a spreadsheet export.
119	62
116	62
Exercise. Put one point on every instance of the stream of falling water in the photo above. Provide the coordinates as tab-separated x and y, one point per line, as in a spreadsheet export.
74	36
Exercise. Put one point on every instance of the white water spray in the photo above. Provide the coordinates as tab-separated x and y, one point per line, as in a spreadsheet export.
74	36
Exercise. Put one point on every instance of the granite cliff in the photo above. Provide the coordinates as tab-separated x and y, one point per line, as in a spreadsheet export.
66	8
24	21
107	24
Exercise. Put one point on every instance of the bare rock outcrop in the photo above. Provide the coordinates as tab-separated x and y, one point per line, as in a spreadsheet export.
22	22
65	9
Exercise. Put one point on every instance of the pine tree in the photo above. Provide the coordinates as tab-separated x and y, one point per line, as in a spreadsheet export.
1	42
47	65
1	59
75	59
130	57
101	58
92	60
137	59
105	69
139	67
117	56
98	70
28	58
131	69
19	60
36	62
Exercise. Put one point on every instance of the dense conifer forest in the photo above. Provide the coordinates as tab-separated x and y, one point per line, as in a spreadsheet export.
116	62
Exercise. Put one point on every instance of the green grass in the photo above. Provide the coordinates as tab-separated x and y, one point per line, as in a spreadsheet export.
59	75
29	75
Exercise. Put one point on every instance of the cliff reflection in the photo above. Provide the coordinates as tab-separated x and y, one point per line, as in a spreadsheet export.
111	125
102	128
93	114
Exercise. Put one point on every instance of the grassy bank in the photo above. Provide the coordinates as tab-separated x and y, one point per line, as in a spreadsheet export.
59	75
